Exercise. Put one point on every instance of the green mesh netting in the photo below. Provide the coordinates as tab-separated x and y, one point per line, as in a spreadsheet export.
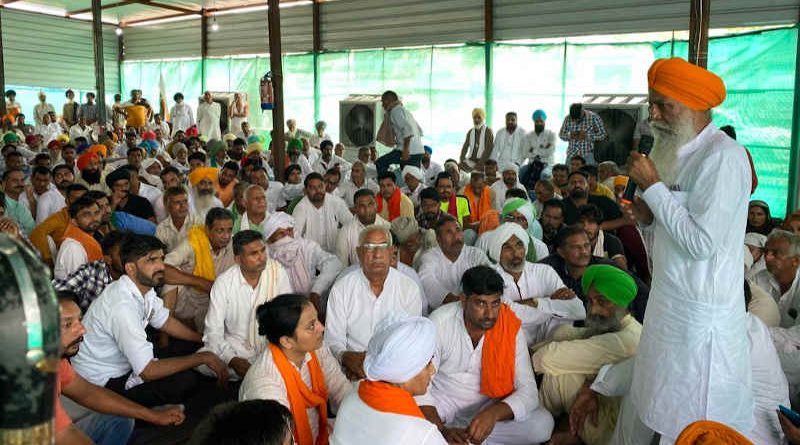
441	85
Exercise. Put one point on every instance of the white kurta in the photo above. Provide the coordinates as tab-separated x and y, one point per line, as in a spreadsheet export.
347	240
208	120
321	224
455	388
230	315
500	188
71	255
171	236
48	203
440	276
693	360
539	281
354	311
788	302
430	173
358	423
76	131
347	189
181	117
542	145
264	381
316	261
510	147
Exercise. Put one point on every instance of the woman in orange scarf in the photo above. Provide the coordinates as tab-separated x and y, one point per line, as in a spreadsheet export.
398	366
296	369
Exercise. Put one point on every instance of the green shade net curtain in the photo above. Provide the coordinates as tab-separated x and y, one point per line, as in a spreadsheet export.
441	85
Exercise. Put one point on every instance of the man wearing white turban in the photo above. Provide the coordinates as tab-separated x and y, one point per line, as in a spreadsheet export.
510	173
398	365
301	257
545	303
414	179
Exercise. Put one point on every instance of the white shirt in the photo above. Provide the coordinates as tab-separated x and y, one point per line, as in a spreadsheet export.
48	132
322	267
403	126
540	281
430	173
208	120
440	276
788	302
76	131
264	381
320	166
40	109
230	314
347	189
115	342
155	196
321	224
455	388
358	423
354	311
509	147
71	255
695	313
347	239
275	198
171	236
181	117
48	203
542	145
770	387
500	188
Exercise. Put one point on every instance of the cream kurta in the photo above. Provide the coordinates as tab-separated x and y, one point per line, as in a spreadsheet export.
509	147
440	276
693	360
354	310
321	224
181	117
455	388
264	381
172	237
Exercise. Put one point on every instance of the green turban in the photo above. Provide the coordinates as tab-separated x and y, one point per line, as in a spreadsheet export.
10	137
612	282
296	144
214	146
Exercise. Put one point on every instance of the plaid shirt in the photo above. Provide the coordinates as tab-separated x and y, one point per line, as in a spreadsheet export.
87	282
591	124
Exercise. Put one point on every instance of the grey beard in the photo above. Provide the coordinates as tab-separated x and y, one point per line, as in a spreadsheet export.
603	325
666	144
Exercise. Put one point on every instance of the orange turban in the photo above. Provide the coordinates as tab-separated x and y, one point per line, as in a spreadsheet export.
201	173
99	149
85	158
695	87
706	432
620	180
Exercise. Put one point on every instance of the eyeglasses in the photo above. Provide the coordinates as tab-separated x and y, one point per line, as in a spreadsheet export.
517	219
374	246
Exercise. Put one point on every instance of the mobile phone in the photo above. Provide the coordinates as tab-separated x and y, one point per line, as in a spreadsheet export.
790	414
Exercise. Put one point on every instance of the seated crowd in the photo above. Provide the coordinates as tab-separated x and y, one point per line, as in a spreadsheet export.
385	300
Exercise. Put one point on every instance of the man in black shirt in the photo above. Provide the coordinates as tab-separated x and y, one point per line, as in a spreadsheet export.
604	244
552	220
579	196
121	198
574	254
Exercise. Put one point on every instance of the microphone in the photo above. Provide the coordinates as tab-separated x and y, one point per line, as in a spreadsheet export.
630	189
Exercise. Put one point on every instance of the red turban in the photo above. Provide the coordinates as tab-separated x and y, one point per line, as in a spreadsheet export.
691	85
149	135
29	139
54	144
192	132
84	159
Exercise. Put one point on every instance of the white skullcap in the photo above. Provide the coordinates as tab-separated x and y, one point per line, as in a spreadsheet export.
748	258
147	163
509	166
755	239
400	348
413	171
229	137
403	227
503	233
451	163
276	221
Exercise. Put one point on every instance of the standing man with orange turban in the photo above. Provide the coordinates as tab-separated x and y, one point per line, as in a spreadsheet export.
478	144
693	361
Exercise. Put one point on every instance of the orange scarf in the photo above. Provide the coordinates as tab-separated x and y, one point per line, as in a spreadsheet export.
499	352
394	205
225	194
93	250
478	206
300	398
387	398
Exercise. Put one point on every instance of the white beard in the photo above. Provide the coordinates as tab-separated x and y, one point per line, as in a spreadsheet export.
203	203
667	141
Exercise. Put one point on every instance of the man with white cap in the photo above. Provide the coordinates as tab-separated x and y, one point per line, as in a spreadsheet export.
366	214
484	391
478	144
398	366
441	267
509	171
414	180
545	302
311	269
755	243
363	297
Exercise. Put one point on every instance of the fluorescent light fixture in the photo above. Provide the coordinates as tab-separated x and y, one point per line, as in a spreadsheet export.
118	31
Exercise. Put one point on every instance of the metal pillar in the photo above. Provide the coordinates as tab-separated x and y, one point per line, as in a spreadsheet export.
276	66
3	110
488	38
99	61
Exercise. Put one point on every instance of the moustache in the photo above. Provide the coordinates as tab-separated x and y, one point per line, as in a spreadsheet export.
75	342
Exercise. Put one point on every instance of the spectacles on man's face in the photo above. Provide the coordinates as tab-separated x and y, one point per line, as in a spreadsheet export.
374	246
516	219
